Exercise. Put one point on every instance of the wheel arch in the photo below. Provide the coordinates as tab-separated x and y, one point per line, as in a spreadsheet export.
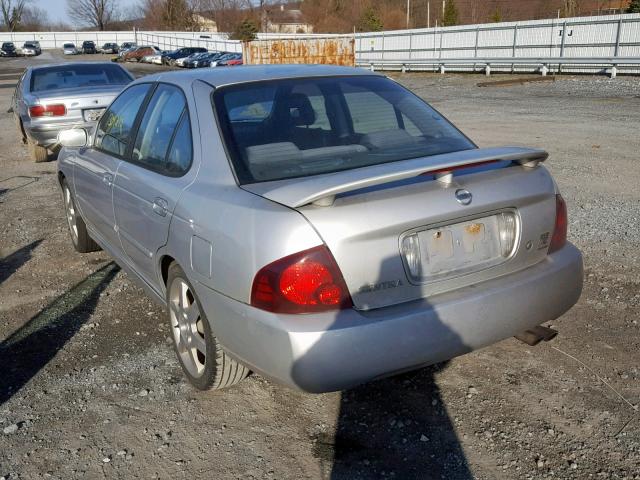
165	263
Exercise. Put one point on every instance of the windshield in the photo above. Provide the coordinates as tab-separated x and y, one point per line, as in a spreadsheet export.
301	127
68	45
65	76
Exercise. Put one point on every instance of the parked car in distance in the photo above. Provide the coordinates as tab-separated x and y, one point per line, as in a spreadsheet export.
155	59
211	57
231	61
170	58
109	48
69	49
127	45
193	61
31	48
137	53
89	47
321	225
180	62
8	49
51	98
225	58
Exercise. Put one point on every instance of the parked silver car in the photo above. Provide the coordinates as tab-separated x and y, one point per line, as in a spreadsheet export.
70	49
51	98
321	225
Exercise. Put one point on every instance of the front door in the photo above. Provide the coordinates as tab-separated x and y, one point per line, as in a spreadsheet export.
148	185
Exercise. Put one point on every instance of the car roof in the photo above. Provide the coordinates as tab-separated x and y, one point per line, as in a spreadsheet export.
71	64
252	73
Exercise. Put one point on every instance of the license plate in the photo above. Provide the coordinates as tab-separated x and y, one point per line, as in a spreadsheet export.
93	114
460	248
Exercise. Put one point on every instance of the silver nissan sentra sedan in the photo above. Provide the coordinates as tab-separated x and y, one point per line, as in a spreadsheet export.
321	225
51	98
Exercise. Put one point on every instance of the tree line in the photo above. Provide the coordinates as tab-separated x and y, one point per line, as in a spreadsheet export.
243	18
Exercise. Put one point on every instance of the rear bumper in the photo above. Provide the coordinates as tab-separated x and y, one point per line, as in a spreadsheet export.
335	351
47	135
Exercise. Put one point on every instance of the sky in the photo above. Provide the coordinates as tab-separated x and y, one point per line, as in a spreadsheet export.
56	9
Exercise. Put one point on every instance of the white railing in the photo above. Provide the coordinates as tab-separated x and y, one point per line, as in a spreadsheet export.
572	38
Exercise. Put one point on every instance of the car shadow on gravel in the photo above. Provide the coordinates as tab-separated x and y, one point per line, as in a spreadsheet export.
396	427
29	349
11	263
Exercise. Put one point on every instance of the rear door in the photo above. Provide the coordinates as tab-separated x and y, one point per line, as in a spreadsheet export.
149	183
96	166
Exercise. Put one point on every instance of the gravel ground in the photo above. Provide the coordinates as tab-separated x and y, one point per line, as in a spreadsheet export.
90	387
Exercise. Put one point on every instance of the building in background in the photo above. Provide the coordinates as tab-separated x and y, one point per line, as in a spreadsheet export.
286	20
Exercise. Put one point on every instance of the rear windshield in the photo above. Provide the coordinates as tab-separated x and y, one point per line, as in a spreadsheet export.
301	127
55	78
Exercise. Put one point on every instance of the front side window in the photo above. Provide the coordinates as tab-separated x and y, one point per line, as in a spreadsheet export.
301	127
155	146
115	127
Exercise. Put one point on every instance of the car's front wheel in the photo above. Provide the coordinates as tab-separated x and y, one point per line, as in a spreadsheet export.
201	357
80	238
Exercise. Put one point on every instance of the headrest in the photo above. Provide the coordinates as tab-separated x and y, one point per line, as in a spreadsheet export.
300	110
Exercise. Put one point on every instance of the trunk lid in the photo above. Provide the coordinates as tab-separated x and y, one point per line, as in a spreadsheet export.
78	101
364	214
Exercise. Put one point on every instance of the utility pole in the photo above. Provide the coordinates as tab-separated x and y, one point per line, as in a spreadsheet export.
428	14
408	12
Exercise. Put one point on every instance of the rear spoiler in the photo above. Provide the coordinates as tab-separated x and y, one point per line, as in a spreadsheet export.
321	190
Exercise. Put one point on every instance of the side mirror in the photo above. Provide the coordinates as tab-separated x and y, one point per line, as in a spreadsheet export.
74	137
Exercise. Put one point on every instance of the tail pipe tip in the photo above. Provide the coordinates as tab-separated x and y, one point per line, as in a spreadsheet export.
537	334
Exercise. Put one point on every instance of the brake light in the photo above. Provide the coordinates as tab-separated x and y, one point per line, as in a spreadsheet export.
559	237
57	110
305	282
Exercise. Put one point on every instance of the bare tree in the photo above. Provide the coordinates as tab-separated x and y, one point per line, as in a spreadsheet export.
96	13
34	19
12	11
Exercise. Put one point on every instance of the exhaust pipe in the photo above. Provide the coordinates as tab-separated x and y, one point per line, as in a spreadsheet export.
537	334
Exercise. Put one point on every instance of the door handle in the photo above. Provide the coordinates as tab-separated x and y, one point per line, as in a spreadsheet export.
160	207
107	179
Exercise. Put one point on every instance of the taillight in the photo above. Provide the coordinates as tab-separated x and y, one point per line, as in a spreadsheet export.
559	237
305	282
57	110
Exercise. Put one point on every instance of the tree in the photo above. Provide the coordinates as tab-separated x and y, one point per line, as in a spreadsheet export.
245	31
450	14
370	21
95	13
496	16
169	15
634	7
34	19
12	11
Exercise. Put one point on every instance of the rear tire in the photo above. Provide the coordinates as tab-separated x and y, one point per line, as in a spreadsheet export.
23	137
38	154
205	364
80	238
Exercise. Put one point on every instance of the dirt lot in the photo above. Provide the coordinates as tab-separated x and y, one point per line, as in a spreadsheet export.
90	388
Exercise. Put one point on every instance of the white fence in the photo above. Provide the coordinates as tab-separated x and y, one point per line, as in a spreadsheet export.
171	40
583	37
580	37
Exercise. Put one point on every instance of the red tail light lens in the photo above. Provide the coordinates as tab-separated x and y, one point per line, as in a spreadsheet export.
48	111
560	230
305	282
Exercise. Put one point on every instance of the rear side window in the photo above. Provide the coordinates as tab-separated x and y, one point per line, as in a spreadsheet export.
74	76
301	127
115	127
155	146
181	152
